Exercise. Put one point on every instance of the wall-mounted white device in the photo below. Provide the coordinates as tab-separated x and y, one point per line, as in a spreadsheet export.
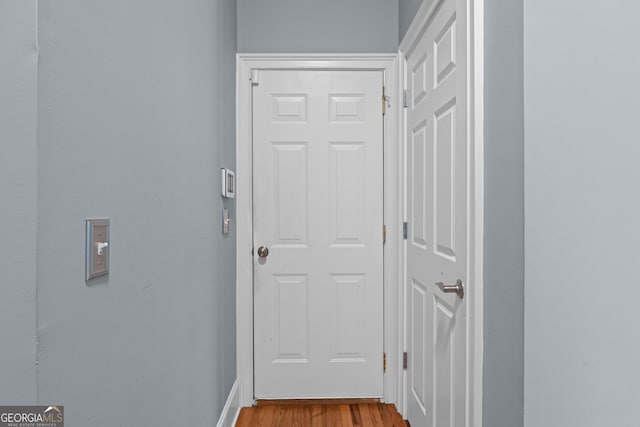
226	220
97	249
228	183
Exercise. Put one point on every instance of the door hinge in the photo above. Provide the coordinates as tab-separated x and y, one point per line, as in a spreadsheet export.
384	362
385	101
384	233
404	99
255	78
404	360
405	230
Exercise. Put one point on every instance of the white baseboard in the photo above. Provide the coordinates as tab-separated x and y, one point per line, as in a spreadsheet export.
231	409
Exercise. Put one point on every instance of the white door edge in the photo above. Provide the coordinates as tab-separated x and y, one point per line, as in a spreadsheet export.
475	32
393	187
476	114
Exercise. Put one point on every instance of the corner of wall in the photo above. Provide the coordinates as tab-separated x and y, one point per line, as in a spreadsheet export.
231	409
504	215
18	192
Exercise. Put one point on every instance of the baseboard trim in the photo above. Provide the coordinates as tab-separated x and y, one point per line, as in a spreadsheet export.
231	409
297	402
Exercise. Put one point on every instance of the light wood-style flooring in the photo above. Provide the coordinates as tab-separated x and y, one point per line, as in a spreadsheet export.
311	413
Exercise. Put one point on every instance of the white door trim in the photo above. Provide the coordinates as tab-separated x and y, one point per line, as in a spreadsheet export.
475	220
393	188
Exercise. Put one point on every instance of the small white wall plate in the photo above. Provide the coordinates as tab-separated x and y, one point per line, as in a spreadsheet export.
228	179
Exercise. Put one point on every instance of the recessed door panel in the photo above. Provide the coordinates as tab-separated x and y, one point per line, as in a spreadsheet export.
419	79
421	153
290	193
418	371
443	362
445	51
349	341
289	108
347	190
445	181
347	108
292	328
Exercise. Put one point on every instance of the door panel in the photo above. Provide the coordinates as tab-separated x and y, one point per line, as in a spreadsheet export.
437	181
347	194
318	205
290	194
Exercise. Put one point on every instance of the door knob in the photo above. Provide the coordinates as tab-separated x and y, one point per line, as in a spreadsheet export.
458	288
263	252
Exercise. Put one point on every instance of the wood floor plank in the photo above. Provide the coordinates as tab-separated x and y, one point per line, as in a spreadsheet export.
365	415
301	415
355	415
392	418
345	416
376	415
321	415
245	418
318	418
333	415
281	416
265	417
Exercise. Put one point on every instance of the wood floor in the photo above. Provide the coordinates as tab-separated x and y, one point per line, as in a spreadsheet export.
320	414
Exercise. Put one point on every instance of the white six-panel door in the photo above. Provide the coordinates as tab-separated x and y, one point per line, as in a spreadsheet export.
437	204
318	210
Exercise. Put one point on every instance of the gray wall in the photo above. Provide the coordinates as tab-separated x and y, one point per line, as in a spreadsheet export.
406	13
582	340
135	117
18	204
310	26
504	215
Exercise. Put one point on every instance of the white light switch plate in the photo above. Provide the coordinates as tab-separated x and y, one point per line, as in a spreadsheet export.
97	248
228	179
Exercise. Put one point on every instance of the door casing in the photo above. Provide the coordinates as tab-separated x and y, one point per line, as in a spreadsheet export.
393	187
394	209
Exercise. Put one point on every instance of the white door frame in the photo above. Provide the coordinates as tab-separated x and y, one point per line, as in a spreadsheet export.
475	195
393	188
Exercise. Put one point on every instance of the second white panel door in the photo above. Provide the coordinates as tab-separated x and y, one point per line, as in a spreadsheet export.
318	211
438	172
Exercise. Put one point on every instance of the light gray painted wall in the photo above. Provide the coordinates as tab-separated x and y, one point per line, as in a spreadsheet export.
310	26
18	204
136	116
406	13
504	215
582	341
